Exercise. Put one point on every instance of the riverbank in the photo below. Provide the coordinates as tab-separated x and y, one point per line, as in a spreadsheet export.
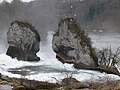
7	83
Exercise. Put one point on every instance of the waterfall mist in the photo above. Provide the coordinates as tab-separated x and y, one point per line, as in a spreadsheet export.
41	13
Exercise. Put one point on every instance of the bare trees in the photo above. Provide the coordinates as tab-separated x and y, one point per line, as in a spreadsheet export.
107	57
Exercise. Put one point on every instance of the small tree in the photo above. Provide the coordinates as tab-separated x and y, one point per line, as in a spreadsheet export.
107	57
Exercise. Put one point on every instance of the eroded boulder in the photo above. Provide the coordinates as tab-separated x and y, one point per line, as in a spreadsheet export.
72	44
23	40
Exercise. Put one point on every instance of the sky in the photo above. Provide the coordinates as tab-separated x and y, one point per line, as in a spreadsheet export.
21	0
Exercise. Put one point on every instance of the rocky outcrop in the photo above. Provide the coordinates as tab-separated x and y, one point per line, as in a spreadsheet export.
7	83
72	45
23	40
72	83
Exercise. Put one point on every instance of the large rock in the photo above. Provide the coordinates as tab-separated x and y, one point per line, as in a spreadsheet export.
23	40
72	45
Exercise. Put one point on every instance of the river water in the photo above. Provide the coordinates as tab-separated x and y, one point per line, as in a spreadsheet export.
49	68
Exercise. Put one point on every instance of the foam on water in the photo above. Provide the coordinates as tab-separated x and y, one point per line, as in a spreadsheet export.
49	61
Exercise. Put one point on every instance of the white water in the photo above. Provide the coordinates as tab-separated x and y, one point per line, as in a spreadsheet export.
49	67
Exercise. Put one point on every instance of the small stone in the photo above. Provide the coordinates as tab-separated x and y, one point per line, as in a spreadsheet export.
20	87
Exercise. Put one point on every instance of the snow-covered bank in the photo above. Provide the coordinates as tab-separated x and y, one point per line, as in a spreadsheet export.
49	68
5	87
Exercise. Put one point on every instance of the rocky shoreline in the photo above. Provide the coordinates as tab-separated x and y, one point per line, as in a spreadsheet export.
25	84
69	83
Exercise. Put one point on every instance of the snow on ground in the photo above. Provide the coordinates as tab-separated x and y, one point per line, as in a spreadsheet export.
5	87
49	68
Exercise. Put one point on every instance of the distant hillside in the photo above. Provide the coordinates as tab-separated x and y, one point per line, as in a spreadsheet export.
43	14
94	14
